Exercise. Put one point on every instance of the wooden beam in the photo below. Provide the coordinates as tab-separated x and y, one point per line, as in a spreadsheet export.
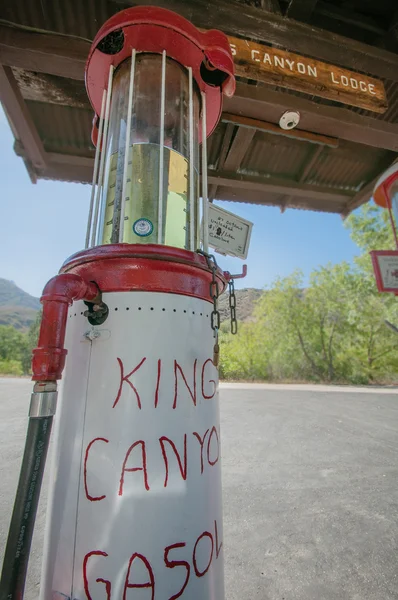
317	151
20	118
20	151
265	104
63	167
389	40
51	53
275	185
268	199
348	16
361	197
364	194
225	145
301	10
212	192
73	174
271	6
240	187
305	136
239	147
256	24
42	87
72	160
69	168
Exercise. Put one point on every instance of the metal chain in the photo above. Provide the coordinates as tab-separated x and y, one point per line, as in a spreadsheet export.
214	291
214	294
232	307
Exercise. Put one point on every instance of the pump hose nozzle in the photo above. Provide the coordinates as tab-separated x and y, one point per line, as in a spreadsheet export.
15	564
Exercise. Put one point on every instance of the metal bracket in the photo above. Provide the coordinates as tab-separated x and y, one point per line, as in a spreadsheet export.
229	275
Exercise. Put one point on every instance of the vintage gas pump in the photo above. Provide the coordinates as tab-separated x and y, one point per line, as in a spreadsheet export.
385	262
135	492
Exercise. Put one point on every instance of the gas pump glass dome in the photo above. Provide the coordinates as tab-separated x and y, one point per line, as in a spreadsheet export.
159	155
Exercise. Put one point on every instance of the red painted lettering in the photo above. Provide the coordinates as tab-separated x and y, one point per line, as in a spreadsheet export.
158	382
194	561
99	580
177	368
132	469
205	396
149	584
218	547
125	378
201	442
108	586
183	469
213	432
171	564
88	496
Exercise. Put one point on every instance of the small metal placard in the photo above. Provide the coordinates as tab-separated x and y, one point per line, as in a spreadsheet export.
385	266
228	233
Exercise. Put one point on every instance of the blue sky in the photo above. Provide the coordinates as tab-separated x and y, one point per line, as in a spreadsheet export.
41	225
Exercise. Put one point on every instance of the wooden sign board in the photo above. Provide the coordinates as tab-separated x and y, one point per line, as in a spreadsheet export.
289	70
385	266
229	234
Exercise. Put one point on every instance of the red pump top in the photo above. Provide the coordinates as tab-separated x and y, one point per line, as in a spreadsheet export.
151	29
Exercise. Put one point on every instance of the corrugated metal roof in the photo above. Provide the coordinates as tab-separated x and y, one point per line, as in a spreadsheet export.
214	145
275	155
70	17
343	168
63	129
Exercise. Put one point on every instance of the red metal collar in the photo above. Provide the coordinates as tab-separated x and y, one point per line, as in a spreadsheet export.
146	268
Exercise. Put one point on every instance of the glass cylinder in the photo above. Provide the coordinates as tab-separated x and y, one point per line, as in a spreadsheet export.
161	182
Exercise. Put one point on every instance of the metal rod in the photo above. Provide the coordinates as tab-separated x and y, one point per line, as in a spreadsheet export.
205	201
95	172
127	148
394	231
161	156
103	154
191	166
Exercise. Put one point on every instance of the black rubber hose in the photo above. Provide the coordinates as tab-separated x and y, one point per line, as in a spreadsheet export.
20	534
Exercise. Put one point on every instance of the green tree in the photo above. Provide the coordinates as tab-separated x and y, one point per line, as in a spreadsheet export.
281	319
333	330
243	356
33	333
370	229
13	348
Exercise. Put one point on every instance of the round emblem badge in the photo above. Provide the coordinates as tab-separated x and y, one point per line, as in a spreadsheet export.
143	227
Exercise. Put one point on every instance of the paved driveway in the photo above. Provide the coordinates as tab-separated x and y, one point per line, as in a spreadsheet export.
310	490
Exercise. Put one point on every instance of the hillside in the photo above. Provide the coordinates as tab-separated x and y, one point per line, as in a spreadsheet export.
17	308
245	301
